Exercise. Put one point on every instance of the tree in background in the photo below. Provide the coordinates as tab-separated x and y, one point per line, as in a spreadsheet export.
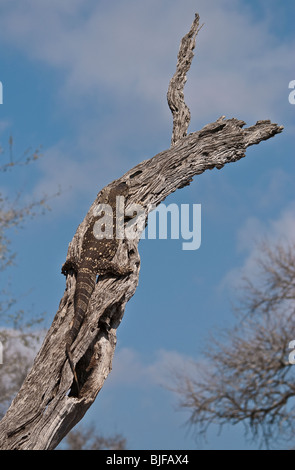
86	438
19	337
246	376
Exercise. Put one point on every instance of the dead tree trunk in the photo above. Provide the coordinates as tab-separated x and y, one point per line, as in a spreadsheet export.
46	407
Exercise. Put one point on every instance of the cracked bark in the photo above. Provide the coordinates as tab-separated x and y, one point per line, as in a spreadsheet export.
45	409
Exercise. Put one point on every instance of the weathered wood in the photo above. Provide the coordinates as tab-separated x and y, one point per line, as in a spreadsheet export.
45	408
175	97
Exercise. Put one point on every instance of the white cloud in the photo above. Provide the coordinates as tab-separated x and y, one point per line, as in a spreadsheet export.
131	369
16	343
283	228
275	231
129	49
124	54
57	162
249	234
280	230
4	125
272	190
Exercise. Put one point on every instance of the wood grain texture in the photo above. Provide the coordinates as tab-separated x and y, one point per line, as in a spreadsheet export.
175	96
45	409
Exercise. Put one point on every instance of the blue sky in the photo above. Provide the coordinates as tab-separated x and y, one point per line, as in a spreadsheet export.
87	80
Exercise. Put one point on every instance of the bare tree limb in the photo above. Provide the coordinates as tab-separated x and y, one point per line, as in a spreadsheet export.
46	407
175	97
246	377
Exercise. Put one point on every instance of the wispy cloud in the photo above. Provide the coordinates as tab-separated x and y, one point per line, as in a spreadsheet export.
132	369
130	49
280	230
114	62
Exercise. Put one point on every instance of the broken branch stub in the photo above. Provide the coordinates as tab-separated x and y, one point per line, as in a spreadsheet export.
175	97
